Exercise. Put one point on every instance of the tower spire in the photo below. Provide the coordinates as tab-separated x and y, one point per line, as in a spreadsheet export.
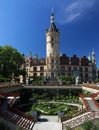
52	16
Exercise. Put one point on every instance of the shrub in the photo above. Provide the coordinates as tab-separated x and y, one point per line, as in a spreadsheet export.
88	125
68	128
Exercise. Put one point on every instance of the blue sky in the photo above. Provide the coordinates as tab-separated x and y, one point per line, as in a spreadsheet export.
23	24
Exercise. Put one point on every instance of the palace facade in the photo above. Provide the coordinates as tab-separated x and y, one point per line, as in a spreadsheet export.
55	64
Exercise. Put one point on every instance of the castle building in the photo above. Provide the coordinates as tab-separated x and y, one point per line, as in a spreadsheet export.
55	64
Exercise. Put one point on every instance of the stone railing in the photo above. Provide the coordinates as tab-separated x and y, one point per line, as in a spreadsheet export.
80	119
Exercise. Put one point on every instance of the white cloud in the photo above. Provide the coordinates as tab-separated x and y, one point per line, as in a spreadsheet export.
72	17
72	7
75	10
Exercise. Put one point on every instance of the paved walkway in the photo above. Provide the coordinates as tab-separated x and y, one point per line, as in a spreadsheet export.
49	118
48	123
47	126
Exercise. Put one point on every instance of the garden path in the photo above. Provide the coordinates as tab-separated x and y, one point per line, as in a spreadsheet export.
49	118
48	123
47	126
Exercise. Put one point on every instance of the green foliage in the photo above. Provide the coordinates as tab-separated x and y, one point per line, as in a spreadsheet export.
45	103
96	80
51	108
68	82
3	79
79	128
68	128
88	125
67	79
38	80
10	61
87	93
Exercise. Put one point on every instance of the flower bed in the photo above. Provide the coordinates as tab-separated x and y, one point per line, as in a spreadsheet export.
52	108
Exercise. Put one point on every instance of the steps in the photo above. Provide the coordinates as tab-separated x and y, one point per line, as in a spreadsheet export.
91	104
15	116
17	119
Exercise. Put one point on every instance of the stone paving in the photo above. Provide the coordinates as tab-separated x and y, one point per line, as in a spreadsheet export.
48	123
49	118
47	126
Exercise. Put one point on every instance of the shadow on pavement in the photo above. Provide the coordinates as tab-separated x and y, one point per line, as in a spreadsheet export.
43	120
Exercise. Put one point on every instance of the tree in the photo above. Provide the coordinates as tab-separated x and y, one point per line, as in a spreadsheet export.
10	62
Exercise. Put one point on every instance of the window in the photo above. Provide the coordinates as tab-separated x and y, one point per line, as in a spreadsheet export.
74	68
69	68
52	61
41	74
63	68
41	68
86	75
63	73
35	69
80	69
86	69
35	74
52	44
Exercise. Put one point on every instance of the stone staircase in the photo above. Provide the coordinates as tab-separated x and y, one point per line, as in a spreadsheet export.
16	119
15	116
91	104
